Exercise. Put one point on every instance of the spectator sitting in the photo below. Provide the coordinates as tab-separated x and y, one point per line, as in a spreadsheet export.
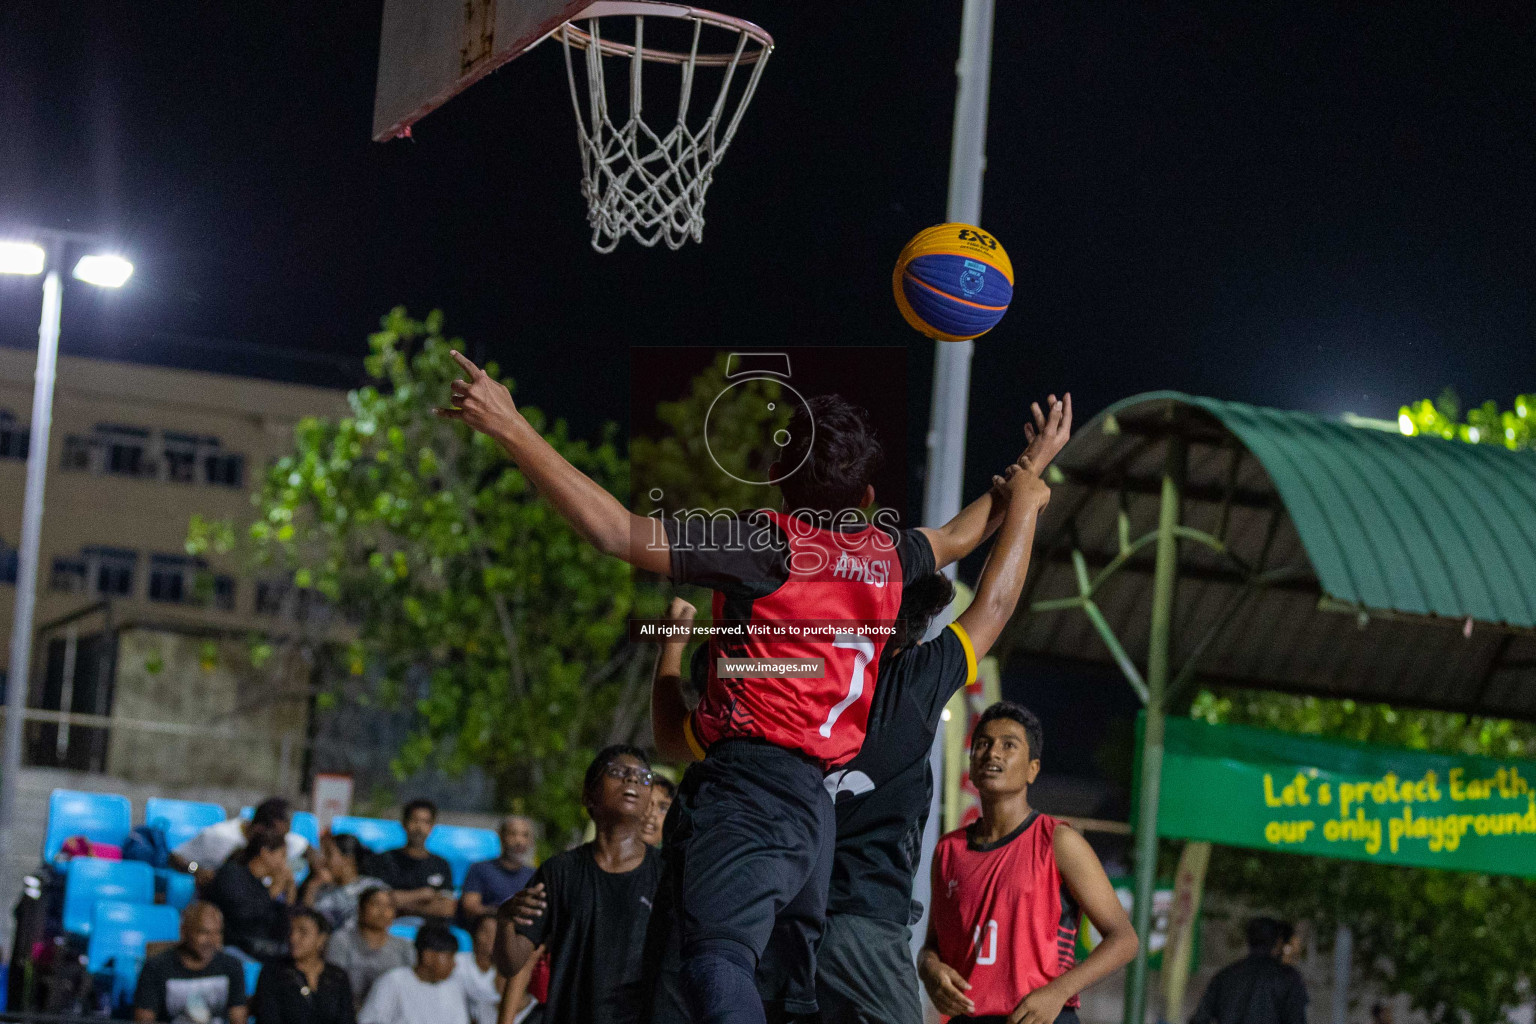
422	881
253	889
204	853
365	950
477	975
334	888
662	792
1258	989
304	989
194	982
490	883
425	994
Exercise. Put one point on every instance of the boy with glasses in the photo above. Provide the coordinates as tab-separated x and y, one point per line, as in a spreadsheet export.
597	902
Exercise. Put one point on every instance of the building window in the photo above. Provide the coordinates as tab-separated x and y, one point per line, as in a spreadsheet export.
274	597
68	575
125	451
175	579
13	437
77	453
8	559
269	598
180	459
113	570
224	470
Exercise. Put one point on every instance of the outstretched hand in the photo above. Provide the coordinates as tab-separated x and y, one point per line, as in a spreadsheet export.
1021	482
481	401
1049	433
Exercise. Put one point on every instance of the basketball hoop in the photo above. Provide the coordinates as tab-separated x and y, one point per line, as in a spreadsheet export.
637	181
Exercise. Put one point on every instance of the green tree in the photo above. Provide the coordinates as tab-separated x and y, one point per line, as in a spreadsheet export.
1514	428
467	594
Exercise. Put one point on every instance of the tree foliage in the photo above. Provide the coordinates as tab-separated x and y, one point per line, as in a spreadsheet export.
469	597
1514	428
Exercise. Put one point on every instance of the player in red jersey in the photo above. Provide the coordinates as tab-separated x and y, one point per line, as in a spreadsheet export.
1007	893
750	836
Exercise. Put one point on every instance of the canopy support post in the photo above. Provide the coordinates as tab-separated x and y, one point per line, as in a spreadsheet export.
1165	576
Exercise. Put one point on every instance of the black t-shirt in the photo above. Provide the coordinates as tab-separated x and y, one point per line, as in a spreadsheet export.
253	920
882	796
746	556
283	996
176	993
594	926
399	870
1256	990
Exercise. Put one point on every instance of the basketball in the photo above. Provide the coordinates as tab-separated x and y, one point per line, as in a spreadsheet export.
953	282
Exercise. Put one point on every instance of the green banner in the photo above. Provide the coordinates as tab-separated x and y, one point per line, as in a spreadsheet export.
1334	798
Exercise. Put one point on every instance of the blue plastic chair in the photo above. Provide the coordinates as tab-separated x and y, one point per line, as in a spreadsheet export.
252	975
100	817
91	881
307	825
179	887
405	929
181	819
461	847
119	933
466	941
376	834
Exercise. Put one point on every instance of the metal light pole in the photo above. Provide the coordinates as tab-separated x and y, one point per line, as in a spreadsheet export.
104	271
952	359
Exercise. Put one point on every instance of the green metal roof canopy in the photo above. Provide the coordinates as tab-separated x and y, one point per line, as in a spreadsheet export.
1315	557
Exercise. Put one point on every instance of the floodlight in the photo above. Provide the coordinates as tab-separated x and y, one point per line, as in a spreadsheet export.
1405	423
21	258
105	270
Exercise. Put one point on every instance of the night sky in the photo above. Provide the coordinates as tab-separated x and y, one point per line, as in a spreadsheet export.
1289	204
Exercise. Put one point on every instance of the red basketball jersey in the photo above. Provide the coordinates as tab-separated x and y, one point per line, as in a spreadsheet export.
1003	916
851	577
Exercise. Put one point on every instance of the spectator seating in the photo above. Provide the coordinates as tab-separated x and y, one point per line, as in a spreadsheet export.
461	847
180	888
252	975
407	930
182	819
91	881
375	834
100	817
119	933
308	826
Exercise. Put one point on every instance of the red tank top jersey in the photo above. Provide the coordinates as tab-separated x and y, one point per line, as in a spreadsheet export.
1003	915
849	576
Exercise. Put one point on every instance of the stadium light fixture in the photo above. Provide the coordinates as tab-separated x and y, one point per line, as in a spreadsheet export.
105	270
21	258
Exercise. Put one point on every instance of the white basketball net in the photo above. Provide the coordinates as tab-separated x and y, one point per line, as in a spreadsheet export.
637	181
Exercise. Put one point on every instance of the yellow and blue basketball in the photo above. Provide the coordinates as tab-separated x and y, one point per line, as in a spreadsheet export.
953	282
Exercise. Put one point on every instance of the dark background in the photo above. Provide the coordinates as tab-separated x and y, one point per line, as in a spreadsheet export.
1312	205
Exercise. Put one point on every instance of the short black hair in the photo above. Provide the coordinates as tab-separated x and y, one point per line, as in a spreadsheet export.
421	803
310	914
436	937
831	457
271	811
921	600
1016	713
369	893
604	758
1263	933
349	846
666	785
260	841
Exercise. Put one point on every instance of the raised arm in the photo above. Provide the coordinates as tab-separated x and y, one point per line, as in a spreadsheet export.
976	522
1084	875
668	712
1002	579
486	405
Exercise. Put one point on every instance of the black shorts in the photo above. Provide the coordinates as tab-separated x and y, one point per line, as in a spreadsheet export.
865	972
748	846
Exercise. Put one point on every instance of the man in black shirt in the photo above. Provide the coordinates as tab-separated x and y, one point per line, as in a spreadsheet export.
596	902
195	981
1258	989
422	881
